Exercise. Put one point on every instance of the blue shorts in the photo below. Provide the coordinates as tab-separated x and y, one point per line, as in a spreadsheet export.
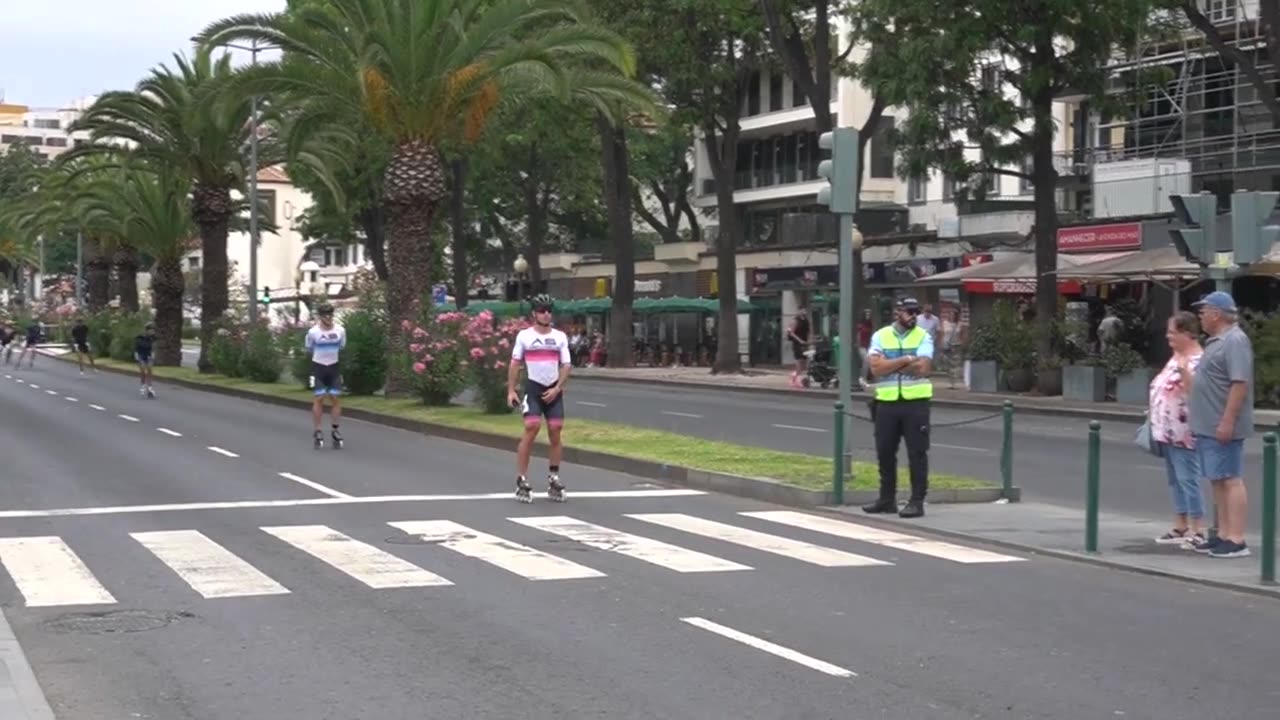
143	360
1220	461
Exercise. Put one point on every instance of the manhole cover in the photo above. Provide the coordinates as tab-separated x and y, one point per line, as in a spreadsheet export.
117	621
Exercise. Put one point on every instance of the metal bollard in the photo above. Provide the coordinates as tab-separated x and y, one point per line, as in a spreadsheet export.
1269	509
1091	498
1006	453
837	455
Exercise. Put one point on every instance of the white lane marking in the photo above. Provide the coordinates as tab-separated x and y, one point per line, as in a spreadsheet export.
805	428
960	447
372	499
33	386
170	433
210	569
130	418
220	451
374	567
641	548
51	392
314	485
20	381
512	557
887	538
795	549
8	377
591	404
786	653
68	398
49	573
680	414
97	407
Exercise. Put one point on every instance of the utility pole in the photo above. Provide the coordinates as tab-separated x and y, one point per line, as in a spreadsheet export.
79	270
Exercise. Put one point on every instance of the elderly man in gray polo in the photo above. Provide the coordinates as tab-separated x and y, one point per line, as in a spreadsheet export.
1221	418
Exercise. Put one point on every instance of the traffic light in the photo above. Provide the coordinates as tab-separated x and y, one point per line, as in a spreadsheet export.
1199	241
266	295
841	171
1250	238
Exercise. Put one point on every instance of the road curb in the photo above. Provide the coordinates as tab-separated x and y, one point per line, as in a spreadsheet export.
20	695
992	405
764	489
1096	560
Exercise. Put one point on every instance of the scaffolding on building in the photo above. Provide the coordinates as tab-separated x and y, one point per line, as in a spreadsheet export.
1206	121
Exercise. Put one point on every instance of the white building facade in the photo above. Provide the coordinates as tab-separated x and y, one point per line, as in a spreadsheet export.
44	130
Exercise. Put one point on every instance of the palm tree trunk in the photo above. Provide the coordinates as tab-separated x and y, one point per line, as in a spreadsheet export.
617	201
458	226
211	208
125	260
414	186
97	275
167	288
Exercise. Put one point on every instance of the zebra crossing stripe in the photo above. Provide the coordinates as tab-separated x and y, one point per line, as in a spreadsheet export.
373	567
887	538
210	569
49	573
652	551
512	557
795	549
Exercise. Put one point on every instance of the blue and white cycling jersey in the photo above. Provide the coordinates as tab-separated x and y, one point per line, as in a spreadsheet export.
324	344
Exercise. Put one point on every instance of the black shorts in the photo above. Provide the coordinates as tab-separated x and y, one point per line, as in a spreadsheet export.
82	347
326	379
534	408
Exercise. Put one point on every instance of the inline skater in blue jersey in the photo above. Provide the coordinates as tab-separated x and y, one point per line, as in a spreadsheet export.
325	341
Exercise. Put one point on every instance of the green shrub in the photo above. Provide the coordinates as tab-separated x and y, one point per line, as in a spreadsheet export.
225	352
364	360
437	356
260	357
125	328
1264	331
99	333
299	360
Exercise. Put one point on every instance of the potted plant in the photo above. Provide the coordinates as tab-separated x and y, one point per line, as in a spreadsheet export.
1130	371
1049	374
1015	347
981	365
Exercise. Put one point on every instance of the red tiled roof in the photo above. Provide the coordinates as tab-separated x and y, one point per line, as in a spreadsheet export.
273	174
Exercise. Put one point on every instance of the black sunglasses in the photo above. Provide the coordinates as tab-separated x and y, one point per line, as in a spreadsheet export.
542	309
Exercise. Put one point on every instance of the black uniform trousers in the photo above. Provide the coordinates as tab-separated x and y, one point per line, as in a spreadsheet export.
903	420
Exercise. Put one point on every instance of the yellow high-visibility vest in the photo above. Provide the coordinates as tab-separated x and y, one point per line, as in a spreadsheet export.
898	386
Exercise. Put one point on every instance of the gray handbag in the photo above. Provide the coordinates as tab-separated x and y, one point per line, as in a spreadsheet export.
1144	440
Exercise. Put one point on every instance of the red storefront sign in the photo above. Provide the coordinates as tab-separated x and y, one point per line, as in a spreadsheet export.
1100	238
1017	287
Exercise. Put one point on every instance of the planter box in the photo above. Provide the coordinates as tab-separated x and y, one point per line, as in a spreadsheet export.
1049	382
1084	382
982	376
1132	388
1019	380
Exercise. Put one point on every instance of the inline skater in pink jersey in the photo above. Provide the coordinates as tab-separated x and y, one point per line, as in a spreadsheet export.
544	352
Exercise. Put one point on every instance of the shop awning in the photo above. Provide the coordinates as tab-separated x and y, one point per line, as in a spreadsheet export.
1013	274
1155	264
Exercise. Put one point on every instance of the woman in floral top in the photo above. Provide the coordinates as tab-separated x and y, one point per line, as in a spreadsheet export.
1168	418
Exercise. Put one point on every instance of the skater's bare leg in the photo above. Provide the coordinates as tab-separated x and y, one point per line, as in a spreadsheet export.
317	411
335	409
532	424
553	435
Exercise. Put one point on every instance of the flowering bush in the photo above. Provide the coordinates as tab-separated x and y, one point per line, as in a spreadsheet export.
438	354
490	353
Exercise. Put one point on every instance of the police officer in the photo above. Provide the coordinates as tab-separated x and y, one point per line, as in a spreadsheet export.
901	358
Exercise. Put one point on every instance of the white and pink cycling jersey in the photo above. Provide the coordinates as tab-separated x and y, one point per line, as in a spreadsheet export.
542	353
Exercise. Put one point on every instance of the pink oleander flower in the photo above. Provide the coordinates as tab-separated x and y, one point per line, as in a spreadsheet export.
416	347
405	324
477	353
419	333
499	365
426	359
419	368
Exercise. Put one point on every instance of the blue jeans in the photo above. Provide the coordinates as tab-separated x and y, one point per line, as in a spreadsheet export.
1220	461
1182	466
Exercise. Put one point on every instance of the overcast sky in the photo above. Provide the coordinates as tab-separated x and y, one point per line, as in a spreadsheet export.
55	51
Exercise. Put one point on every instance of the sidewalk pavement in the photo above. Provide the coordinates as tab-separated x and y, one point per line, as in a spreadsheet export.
778	382
1124	542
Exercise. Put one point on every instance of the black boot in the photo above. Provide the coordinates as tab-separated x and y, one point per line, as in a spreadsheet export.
913	509
880	506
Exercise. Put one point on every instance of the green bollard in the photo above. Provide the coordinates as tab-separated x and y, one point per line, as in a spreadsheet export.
1006	453
1269	509
1091	498
837	456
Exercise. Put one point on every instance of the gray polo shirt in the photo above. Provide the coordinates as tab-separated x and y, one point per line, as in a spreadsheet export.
1227	358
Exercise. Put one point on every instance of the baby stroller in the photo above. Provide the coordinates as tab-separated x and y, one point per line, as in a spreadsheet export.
821	370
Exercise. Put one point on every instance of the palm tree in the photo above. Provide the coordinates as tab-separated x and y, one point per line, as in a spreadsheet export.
425	75
173	118
149	207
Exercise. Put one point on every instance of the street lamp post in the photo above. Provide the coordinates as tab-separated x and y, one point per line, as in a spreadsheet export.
520	266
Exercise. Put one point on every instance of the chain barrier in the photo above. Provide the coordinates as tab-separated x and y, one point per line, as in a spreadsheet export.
956	423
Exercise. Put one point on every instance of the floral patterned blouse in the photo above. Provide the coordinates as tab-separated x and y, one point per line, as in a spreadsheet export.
1168	411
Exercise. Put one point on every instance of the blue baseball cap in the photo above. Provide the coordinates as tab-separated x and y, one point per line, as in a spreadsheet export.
1217	300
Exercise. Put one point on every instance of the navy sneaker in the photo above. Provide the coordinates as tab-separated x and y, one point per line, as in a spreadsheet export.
1228	549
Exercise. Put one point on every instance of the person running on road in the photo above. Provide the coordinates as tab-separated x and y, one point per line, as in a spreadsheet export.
325	341
80	339
35	333
144	355
544	352
7	335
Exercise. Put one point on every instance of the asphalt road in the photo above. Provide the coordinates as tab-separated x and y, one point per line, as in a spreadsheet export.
1050	453
156	564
